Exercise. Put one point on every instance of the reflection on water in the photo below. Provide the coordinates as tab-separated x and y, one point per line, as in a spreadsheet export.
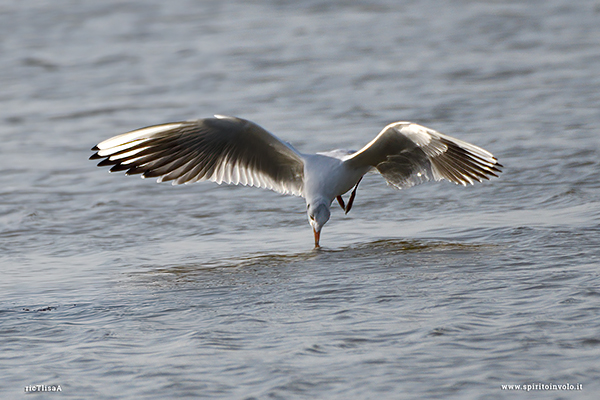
365	252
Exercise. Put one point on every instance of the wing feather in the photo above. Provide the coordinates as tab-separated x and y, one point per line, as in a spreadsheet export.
221	149
408	154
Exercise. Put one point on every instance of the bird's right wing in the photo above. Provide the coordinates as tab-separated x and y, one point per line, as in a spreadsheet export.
408	154
221	149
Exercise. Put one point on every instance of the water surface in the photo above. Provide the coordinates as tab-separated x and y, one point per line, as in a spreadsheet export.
117	287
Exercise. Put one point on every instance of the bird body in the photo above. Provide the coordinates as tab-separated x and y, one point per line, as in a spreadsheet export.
237	151
327	176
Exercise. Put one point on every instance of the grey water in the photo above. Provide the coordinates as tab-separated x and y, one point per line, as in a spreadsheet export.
114	287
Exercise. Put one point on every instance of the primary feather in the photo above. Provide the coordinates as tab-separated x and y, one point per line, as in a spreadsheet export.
221	149
407	154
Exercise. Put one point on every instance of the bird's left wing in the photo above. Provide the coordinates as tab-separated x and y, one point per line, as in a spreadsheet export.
221	149
408	154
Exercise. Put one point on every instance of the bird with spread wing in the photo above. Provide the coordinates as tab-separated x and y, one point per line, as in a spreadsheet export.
237	151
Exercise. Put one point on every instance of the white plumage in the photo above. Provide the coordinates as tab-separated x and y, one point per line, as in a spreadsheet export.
236	151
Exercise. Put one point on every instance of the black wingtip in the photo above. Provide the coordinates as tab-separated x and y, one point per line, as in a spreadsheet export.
119	167
95	156
107	162
95	148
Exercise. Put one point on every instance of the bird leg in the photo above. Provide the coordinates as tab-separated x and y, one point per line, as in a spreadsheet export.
352	196
341	201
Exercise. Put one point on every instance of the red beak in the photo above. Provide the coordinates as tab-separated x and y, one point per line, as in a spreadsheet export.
317	237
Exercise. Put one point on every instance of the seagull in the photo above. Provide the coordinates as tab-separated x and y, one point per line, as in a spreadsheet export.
237	151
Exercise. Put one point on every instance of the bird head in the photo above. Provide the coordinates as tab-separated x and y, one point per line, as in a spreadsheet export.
318	214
